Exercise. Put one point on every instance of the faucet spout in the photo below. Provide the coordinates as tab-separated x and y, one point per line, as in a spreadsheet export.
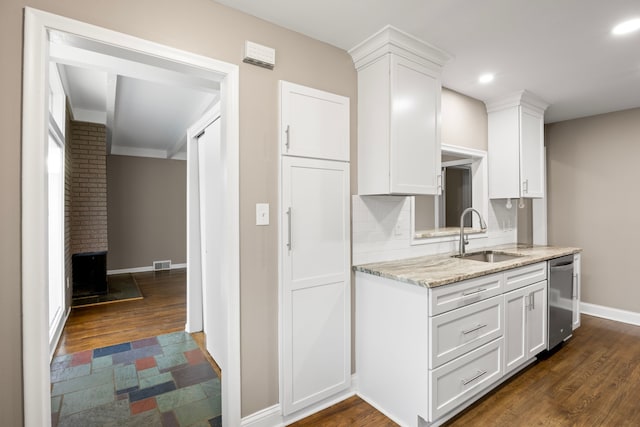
463	239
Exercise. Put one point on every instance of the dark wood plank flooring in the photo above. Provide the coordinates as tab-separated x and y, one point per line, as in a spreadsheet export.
592	380
162	310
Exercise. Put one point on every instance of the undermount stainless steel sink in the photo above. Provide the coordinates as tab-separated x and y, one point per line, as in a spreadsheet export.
488	256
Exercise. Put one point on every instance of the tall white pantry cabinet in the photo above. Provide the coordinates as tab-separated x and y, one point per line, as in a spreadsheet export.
315	276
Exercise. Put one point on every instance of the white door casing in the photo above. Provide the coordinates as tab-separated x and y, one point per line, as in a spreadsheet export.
37	26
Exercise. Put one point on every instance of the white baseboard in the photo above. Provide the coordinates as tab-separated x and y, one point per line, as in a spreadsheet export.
610	313
268	417
273	417
142	269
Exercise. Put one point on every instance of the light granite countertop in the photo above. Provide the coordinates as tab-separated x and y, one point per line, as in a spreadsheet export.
446	231
437	270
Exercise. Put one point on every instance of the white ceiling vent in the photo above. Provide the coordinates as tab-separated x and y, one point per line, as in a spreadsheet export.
161	265
259	55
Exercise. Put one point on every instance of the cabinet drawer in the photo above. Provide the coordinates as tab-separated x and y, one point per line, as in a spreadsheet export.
459	331
448	297
523	276
455	382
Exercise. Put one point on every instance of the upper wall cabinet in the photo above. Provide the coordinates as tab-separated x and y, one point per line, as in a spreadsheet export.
516	146
313	123
398	114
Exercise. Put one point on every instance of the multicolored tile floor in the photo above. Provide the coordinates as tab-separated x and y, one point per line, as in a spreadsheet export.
160	381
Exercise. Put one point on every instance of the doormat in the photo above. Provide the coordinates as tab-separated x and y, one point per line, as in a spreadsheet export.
122	287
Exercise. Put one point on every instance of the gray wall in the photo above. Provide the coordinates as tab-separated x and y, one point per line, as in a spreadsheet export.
464	121
594	202
210	29
147	211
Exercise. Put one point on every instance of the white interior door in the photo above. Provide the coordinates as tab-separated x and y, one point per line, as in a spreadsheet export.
316	294
211	189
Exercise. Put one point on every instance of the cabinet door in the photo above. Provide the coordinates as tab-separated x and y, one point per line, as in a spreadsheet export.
415	128
515	327
313	123
315	254
531	153
504	154
537	319
576	291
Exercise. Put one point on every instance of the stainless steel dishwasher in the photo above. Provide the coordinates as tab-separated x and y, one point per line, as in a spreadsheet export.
560	303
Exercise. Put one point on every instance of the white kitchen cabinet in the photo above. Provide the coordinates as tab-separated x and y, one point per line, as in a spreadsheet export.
455	342
457	332
315	251
576	290
516	146
460	379
461	294
313	123
525	324
315	281
399	92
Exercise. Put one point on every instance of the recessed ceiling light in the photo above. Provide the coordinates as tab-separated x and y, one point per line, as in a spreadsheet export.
486	78
626	27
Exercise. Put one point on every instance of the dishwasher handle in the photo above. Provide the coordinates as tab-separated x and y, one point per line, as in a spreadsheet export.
565	266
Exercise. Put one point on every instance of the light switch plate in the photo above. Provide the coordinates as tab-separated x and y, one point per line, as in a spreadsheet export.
262	213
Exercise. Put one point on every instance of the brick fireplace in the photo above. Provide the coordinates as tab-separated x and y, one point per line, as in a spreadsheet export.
88	207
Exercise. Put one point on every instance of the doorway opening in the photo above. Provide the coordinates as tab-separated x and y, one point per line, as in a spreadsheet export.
39	28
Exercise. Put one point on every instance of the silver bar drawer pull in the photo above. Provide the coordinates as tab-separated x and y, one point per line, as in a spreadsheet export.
468	331
473	378
477	291
289	229
288	140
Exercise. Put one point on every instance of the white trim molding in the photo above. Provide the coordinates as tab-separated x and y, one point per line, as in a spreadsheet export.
624	316
268	417
272	416
38	26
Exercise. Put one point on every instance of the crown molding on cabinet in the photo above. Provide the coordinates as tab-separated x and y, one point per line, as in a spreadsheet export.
391	40
522	97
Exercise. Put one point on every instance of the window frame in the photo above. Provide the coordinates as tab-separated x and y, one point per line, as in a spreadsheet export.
479	194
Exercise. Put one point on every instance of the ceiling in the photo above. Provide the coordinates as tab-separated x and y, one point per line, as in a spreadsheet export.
146	105
562	51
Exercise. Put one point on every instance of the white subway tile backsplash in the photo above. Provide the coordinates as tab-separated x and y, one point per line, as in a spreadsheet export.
382	230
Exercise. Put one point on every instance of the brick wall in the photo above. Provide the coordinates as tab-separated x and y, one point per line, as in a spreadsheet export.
88	187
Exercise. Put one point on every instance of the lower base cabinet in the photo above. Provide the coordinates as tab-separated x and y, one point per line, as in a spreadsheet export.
424	354
454	382
525	324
